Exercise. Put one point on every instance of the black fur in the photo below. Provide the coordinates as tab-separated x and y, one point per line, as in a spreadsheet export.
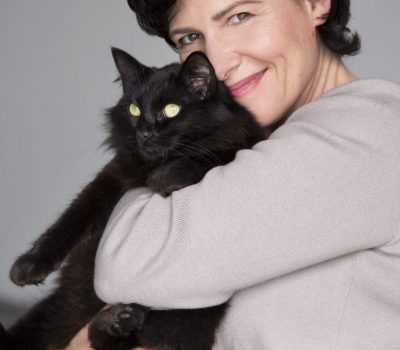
151	150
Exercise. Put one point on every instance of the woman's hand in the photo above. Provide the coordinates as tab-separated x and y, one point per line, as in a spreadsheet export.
81	341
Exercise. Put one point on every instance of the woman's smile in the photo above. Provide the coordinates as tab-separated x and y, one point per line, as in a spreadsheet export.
246	36
245	85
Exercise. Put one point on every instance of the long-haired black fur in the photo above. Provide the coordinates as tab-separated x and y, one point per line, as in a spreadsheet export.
169	128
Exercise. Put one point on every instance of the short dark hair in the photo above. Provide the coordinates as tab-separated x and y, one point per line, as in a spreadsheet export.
152	16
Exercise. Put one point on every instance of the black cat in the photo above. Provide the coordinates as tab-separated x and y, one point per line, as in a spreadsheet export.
169	128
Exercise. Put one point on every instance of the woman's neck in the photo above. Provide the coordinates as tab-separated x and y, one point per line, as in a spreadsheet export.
330	73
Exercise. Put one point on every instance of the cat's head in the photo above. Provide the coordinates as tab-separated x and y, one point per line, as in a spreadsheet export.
172	111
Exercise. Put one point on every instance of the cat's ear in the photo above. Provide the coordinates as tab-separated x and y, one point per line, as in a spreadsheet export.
198	75
132	72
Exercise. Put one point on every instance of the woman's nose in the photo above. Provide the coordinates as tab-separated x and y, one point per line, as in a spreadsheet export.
225	60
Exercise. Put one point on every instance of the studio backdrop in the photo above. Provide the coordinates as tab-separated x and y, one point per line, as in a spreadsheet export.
56	80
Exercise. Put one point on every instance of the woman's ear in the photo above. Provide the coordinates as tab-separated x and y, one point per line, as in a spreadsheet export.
319	11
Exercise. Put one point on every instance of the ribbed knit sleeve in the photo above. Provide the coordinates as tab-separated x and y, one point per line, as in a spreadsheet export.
325	184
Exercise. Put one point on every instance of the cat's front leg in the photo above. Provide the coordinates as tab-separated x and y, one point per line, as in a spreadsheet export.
177	174
87	215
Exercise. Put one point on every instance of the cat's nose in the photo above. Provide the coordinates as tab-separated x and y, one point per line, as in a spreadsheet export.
143	136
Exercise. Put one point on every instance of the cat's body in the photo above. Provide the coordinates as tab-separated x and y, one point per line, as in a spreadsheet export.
170	127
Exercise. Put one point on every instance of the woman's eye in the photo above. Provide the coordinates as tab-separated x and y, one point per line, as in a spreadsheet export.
188	39
171	110
240	17
134	110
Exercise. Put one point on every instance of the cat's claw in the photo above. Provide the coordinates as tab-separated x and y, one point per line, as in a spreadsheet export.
166	191
29	269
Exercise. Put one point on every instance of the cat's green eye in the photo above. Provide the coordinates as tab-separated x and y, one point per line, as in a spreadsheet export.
171	110
134	110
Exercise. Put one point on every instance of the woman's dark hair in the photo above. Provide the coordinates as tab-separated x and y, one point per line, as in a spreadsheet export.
152	16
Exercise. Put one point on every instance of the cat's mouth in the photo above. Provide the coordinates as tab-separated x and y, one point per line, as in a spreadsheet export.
152	152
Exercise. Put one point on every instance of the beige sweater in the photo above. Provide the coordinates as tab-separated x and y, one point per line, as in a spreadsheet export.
302	230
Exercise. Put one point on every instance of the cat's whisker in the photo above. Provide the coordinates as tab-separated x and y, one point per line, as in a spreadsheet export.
187	158
164	156
206	151
208	157
191	151
200	151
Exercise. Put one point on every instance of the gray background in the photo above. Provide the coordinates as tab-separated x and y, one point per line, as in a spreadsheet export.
57	77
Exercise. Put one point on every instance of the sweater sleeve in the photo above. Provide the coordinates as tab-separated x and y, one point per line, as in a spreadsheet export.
325	184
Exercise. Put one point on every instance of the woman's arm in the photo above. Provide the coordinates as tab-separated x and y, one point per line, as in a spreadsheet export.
327	183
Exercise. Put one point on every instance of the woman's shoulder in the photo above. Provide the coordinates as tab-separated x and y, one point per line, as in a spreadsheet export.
367	110
361	96
363	93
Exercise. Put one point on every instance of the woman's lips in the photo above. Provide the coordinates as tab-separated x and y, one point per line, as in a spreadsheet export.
243	86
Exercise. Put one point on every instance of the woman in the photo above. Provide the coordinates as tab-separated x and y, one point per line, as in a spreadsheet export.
302	230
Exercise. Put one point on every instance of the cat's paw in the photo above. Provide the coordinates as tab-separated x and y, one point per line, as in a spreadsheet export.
166	190
130	318
30	269
113	325
163	183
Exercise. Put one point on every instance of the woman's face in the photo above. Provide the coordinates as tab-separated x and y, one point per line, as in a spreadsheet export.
266	51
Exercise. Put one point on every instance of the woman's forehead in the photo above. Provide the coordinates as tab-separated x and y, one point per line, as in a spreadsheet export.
186	10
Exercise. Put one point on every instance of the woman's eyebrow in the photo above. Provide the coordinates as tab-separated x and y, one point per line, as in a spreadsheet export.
228	9
215	17
181	31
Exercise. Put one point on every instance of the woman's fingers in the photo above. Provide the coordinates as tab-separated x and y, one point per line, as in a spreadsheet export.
80	341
